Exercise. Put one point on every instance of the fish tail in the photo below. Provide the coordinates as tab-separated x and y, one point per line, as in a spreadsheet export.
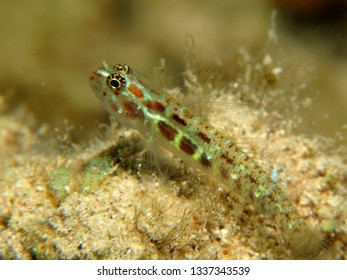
314	246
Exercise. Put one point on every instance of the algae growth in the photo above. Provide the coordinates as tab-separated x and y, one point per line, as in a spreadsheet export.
79	189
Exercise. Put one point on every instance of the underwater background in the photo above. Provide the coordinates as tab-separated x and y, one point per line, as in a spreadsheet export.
74	186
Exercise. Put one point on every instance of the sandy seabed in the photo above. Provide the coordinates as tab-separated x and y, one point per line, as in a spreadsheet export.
74	187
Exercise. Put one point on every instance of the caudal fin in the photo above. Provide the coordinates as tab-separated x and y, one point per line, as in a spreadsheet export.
315	247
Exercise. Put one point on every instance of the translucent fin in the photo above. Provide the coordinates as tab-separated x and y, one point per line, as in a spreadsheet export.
315	247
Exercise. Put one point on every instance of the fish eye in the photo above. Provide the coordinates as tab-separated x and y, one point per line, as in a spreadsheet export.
114	83
123	68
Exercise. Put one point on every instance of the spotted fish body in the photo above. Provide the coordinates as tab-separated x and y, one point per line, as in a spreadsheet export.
159	116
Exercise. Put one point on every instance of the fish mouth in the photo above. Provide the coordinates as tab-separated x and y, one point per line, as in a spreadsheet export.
93	76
